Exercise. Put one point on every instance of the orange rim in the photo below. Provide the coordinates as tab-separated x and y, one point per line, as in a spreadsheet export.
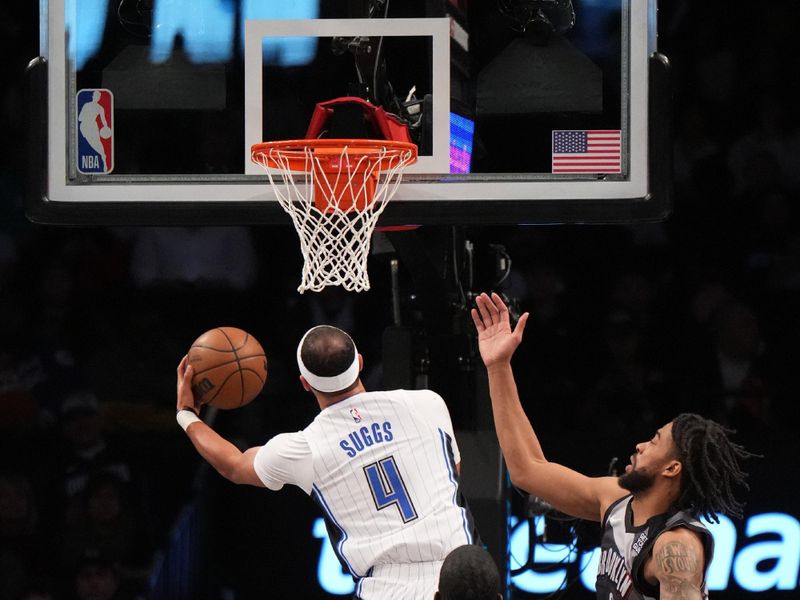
292	153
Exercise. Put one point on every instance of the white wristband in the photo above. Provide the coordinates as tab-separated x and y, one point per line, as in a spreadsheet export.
186	417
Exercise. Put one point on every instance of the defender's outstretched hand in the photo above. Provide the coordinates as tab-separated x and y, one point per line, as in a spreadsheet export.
496	341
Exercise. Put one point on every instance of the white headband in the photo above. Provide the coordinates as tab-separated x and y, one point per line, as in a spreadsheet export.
333	383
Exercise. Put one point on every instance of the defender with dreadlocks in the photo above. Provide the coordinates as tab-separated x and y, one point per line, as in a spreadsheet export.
653	544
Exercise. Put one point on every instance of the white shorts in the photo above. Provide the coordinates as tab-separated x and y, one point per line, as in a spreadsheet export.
401	581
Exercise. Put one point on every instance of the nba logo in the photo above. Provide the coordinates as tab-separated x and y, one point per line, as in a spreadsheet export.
95	131
355	414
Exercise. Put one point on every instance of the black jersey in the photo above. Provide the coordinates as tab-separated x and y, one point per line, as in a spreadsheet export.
625	548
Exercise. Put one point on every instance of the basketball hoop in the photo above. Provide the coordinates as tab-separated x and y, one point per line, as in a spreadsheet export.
336	204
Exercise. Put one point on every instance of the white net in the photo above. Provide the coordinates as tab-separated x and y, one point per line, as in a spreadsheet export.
334	196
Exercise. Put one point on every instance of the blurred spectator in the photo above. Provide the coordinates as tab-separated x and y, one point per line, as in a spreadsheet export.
772	260
20	368
96	578
724	366
87	450
106	519
24	551
743	392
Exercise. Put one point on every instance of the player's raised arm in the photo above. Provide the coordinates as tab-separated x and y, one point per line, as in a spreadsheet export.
567	490
227	459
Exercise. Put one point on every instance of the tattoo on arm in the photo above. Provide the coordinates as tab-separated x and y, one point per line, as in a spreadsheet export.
679	572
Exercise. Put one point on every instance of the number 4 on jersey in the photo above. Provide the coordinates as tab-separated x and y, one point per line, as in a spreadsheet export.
388	488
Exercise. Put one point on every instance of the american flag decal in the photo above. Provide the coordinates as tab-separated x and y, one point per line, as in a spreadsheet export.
587	151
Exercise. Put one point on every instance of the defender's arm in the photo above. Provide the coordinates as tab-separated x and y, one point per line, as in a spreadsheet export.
678	564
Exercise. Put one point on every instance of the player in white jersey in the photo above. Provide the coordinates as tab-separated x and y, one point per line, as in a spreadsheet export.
653	544
383	466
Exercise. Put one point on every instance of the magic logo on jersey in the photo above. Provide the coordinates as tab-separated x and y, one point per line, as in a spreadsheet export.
95	131
612	575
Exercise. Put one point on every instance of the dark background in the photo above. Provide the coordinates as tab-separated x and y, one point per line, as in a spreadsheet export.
631	325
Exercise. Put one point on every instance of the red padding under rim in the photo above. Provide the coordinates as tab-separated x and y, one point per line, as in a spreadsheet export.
389	125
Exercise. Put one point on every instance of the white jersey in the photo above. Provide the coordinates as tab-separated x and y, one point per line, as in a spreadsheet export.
381	465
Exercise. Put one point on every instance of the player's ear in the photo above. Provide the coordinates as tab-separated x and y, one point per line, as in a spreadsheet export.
304	383
673	468
360	362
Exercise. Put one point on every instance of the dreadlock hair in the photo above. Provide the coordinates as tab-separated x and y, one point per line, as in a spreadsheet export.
711	467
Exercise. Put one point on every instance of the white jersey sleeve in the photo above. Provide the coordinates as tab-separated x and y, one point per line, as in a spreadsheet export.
433	408
286	458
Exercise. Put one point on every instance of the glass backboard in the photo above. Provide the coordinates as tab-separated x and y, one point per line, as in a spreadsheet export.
524	111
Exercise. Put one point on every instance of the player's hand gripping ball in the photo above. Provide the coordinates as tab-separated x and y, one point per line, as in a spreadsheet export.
230	367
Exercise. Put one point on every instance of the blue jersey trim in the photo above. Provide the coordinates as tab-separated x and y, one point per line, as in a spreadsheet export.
449	459
361	582
317	496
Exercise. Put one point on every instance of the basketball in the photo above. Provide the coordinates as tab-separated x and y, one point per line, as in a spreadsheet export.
105	132
230	367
